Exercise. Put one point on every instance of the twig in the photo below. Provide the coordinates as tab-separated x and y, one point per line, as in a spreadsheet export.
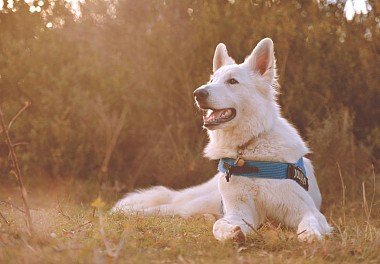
16	166
343	234
111	138
5	220
26	105
373	194
77	228
303	231
20	144
103	235
111	146
113	253
253	229
84	224
120	245
12	205
365	203
60	211
343	193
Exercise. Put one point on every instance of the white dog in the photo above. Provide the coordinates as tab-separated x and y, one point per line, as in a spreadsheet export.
244	123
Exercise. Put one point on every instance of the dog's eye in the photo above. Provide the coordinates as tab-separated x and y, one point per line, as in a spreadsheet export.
232	81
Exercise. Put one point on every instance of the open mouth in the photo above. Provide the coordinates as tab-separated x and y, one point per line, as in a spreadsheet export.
215	117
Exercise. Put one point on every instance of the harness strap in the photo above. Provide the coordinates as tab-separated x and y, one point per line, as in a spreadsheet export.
266	169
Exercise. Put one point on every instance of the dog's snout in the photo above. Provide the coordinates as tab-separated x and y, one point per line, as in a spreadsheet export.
201	93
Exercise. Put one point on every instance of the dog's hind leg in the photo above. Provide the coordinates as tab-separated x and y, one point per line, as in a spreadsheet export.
200	199
206	206
202	205
144	199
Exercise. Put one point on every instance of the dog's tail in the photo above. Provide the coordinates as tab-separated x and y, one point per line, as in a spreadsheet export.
143	199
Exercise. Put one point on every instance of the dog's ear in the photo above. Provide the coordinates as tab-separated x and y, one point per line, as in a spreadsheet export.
262	59
221	57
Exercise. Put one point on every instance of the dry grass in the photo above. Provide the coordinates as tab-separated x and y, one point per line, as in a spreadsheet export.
67	232
160	49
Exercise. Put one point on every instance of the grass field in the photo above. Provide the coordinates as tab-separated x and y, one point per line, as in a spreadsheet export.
66	231
106	98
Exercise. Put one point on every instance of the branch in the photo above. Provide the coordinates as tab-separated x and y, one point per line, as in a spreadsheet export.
103	235
60	211
15	165
26	105
111	146
12	205
20	144
120	245
113	253
253	229
5	220
343	192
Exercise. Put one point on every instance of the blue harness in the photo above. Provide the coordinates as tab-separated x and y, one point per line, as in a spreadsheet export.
266	170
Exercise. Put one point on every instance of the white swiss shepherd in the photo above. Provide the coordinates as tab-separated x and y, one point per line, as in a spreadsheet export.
240	107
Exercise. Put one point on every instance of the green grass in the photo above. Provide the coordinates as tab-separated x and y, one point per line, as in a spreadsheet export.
66	231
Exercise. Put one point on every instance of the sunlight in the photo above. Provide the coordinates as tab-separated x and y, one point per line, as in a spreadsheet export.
75	6
10	4
122	121
349	10
36	6
353	7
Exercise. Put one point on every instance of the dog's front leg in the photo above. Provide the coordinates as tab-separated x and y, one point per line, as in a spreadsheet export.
289	203
311	224
240	210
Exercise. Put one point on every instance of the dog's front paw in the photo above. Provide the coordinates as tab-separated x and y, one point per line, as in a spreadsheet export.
310	229
223	230
309	235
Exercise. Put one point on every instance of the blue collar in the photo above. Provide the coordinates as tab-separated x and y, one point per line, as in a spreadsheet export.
266	169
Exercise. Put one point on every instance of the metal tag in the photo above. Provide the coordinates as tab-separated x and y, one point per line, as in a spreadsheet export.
228	176
239	161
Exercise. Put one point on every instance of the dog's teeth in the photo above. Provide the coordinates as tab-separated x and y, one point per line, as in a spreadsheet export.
216	116
226	113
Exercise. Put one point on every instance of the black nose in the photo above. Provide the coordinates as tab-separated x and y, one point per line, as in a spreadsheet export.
201	93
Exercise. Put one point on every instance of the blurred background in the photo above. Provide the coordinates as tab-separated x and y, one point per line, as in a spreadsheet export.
92	68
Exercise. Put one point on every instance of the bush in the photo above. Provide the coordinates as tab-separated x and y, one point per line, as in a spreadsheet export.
148	56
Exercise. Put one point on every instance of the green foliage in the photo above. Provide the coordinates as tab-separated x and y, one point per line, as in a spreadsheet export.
149	56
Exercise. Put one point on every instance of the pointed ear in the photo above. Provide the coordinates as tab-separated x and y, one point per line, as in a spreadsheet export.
221	57
262	59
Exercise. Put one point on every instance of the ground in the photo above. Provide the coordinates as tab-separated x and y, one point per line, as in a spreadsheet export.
66	230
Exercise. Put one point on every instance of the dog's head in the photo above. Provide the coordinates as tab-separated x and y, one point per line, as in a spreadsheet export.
240	94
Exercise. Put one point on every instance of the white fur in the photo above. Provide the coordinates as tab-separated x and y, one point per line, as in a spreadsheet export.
246	200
